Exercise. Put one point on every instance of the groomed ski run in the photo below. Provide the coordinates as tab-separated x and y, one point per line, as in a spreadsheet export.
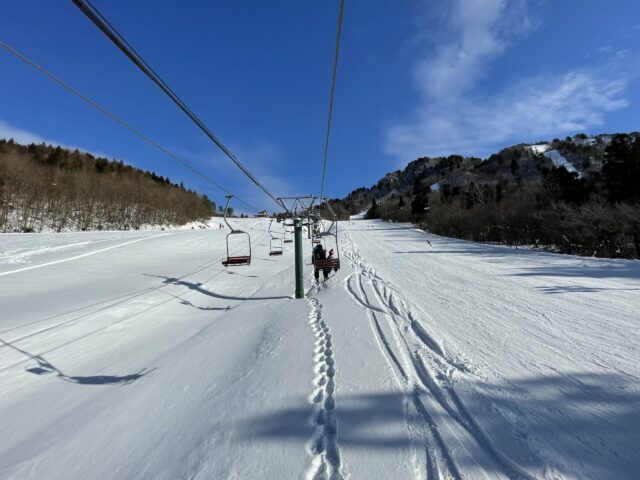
138	355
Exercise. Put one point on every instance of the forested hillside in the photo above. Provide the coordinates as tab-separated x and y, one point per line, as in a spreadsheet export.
43	187
580	195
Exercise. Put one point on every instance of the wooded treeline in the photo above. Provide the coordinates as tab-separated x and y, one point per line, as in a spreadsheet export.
47	187
518	197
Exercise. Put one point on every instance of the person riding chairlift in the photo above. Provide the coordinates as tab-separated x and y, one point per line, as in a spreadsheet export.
319	253
327	271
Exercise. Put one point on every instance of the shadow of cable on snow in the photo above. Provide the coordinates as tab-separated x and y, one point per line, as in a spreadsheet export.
230	272
589	421
184	301
45	368
198	288
107	303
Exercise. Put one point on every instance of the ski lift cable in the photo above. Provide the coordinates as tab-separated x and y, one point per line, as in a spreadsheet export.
331	97
121	122
327	264
93	14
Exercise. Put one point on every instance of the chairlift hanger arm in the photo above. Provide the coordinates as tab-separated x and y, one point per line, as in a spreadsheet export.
334	219
226	209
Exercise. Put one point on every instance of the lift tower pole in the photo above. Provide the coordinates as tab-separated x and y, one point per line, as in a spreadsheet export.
299	208
297	226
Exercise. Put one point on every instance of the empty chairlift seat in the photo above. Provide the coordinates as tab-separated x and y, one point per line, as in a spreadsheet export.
275	243
235	259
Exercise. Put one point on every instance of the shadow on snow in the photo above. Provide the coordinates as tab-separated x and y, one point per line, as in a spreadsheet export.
197	287
591	420
45	368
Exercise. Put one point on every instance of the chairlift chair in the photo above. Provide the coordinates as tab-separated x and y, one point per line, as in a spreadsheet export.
318	240
275	246
316	236
235	260
287	234
328	263
275	243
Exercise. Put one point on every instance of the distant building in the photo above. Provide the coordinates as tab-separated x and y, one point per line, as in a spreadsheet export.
262	214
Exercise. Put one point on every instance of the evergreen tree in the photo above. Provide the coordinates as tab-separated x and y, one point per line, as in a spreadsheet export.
373	210
514	167
621	171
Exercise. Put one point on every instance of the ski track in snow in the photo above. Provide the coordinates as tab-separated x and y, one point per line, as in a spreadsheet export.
323	446
425	373
83	255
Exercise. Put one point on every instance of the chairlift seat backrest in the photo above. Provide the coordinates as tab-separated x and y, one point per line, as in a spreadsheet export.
327	264
275	246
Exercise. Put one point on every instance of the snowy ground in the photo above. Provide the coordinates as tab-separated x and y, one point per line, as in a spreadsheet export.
137	355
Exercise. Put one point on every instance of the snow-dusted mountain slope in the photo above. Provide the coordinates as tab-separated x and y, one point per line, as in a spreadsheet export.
559	161
137	355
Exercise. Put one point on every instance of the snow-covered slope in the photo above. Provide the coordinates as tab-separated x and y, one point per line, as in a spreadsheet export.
559	161
539	148
137	355
555	156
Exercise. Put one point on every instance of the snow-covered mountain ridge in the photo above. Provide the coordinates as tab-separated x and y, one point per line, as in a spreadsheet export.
583	154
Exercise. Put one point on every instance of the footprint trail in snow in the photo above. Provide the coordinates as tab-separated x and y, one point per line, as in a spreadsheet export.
323	446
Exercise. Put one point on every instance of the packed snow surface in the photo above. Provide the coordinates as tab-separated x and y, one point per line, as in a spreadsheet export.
137	355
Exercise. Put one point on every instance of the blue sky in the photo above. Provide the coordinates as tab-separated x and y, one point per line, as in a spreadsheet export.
416	78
